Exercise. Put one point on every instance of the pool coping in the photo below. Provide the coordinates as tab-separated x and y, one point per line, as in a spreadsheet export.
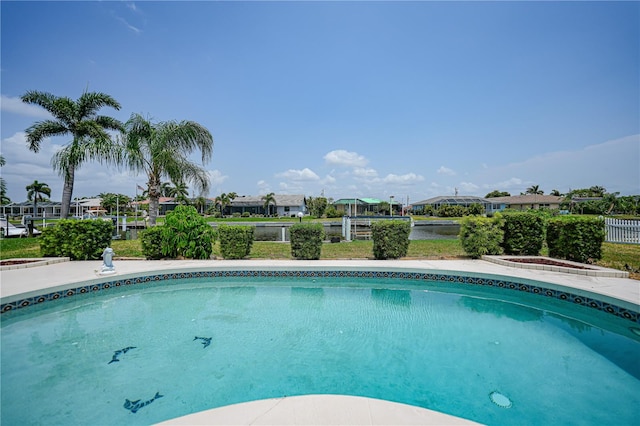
590	270
319	409
34	262
618	296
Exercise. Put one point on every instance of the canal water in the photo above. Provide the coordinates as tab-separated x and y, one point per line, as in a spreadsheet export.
273	231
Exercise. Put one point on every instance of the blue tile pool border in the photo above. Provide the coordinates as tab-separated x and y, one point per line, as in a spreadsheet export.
456	278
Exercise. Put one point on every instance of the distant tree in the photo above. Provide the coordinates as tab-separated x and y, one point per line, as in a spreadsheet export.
36	192
3	186
476	209
112	201
384	207
200	203
555	192
180	193
223	200
597	191
629	204
496	193
165	189
268	200
317	206
163	150
80	120
534	190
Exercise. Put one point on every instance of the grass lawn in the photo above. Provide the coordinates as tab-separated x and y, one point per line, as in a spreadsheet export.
625	257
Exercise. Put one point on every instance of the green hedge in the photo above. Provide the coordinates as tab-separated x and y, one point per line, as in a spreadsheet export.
480	236
523	234
184	234
77	239
151	243
235	241
390	239
576	238
306	240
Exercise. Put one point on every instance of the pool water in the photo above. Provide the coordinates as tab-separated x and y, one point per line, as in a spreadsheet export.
487	360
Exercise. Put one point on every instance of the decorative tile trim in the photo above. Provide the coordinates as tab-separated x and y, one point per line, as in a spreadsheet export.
408	276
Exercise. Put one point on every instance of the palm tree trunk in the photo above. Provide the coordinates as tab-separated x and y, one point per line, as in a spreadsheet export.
154	200
153	210
67	191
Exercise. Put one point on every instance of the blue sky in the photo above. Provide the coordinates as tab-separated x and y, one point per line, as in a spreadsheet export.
349	99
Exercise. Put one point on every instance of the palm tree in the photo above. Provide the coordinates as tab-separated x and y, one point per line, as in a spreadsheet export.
200	203
223	200
80	120
165	189
36	192
535	190
162	150
268	200
555	192
3	186
180	192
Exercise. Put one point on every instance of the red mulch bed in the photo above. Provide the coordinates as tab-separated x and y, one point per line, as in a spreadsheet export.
17	262
541	261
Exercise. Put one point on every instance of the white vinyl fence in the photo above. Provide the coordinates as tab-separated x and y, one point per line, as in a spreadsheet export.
622	231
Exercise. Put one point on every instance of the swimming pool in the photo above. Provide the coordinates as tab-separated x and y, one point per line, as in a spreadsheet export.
468	346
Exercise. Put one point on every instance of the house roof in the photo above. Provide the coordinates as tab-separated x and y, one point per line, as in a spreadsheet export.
453	199
527	199
89	202
280	200
161	200
359	200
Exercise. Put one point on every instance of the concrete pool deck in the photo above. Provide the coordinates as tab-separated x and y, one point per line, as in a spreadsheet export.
308	409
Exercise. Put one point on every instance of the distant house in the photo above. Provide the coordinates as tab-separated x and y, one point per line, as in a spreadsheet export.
284	205
45	208
363	206
165	204
526	202
357	206
453	200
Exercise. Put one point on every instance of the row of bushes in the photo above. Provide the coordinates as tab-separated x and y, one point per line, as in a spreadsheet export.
573	238
186	234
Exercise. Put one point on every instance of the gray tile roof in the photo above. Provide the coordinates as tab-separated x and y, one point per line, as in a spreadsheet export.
280	200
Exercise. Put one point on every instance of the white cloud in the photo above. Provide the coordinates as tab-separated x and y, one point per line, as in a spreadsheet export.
505	185
16	106
467	188
446	171
613	164
216	177
263	187
328	180
406	179
299	175
341	157
128	25
365	173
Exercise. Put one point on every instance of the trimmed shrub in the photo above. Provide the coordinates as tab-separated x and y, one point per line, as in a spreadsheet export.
187	234
306	240
235	241
151	242
390	239
447	210
480	235
523	234
576	238
76	239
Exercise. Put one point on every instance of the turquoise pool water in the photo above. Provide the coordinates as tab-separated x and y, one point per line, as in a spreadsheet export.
142	355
